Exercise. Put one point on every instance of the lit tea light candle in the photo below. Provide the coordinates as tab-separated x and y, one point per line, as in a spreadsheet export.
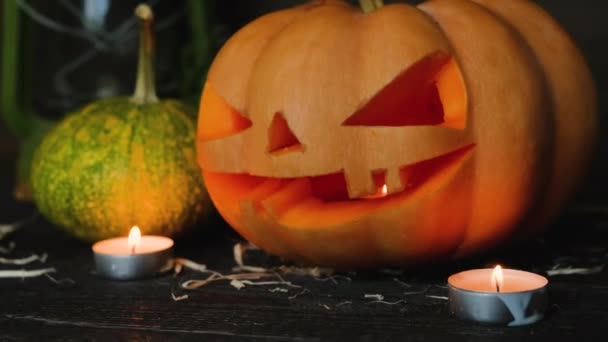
133	257
498	296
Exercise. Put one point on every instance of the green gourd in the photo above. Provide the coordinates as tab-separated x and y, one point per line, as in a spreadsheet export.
120	162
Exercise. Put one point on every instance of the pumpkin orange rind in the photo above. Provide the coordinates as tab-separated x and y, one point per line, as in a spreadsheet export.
504	98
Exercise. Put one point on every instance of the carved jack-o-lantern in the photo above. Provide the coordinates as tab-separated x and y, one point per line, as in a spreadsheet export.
332	136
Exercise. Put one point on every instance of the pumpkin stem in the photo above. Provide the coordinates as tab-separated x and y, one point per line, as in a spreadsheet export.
369	6
145	90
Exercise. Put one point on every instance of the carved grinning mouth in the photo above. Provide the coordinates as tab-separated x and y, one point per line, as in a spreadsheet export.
333	187
274	207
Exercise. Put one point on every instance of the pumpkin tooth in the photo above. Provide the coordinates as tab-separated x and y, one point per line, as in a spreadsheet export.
359	183
393	181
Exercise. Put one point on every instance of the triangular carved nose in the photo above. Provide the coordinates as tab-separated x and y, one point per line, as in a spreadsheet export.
280	137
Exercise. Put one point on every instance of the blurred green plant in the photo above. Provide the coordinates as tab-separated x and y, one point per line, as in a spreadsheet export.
199	54
17	111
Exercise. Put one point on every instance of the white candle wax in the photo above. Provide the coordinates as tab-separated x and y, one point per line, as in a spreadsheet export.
120	245
133	257
480	280
497	296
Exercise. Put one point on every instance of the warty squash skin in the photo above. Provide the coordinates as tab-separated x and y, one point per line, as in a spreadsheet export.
120	162
352	186
115	164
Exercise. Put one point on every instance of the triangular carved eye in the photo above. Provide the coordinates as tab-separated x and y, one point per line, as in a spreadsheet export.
280	137
411	99
217	119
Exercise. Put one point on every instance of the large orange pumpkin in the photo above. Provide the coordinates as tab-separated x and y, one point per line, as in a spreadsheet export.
332	136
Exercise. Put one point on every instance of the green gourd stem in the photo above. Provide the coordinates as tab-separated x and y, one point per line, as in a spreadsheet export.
145	90
16	120
369	6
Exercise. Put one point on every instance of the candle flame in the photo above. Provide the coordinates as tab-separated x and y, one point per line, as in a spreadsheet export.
497	278
380	193
384	190
134	238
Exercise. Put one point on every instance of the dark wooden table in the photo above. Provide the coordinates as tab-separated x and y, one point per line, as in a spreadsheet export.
86	307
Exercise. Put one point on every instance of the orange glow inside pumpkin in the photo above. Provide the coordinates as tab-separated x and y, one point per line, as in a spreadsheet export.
280	137
434	95
333	187
219	118
412	98
325	195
